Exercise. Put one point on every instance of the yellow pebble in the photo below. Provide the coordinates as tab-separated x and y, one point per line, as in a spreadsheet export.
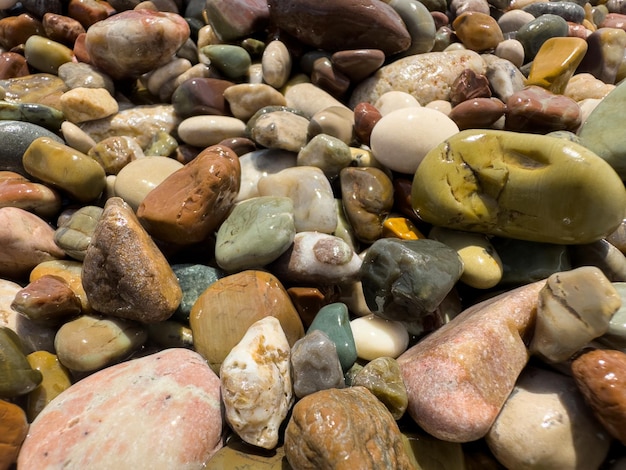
556	62
56	379
401	227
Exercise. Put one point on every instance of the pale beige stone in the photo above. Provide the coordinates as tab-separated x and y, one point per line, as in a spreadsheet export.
245	99
87	104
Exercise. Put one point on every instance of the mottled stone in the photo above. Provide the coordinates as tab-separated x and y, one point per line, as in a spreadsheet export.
545	423
27	240
344	429
17	191
192	202
477	31
12	65
459	377
583	86
47	298
61	28
365	118
405	280
13	429
376	337
41	88
228	307
255	233
326	152
193	280
87	104
278	127
245	99
124	273
504	77
556	61
382	377
74	235
372	25
606	53
236	19
256	384
15	30
231	60
131	43
502	166
56	379
166	404
469	85
68	270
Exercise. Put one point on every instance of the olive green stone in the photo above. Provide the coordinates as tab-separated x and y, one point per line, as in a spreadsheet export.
46	55
516	185
162	145
17	377
334	320
74	235
326	152
65	168
383	378
232	61
533	34
35	113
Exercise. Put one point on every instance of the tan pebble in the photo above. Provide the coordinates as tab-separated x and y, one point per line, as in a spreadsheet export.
309	99
335	121
584	85
159	77
204	131
17	191
276	64
245	99
87	104
511	50
76	138
442	106
394	100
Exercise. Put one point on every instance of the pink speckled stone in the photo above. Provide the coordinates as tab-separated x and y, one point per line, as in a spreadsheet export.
159	412
459	377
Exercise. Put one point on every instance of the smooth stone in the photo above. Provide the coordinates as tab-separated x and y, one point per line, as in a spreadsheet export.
201	95
504	77
232	61
60	28
163	81
366	115
45	55
315	364
477	31
316	258
17	377
76	138
595	135
560	430
512	20
170	334
602	254
336	121
400	227
402	138
258	164
27	240
89	343
569	11
276	64
166	403
574	308
12	65
65	168
41	88
89	12
606	53
140	122
245	99
459	377
87	104
357	64
204	131
394	100
310	99
36	113
483	199
118	44
20	192
279	128
322	25
114	153
511	50
556	61
333	319
482	267
416	74
135	180
13	429
256	384
311	193
74	234
49	298
56	379
368	436
599	377
326	152
535	109
525	261
228	307
406	280
15	30
469	85
68	270
255	233
533	34
419	23
383	378
191	203
193	280
236	19
124	273
367	195
376	337
477	113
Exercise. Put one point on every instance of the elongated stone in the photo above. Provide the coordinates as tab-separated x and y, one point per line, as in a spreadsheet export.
334	321
376	337
256	383
504	183
35	113
55	379
17	191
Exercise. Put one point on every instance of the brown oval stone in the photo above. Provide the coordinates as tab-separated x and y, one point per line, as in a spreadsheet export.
62	28
365	118
328	78
601	377
12	65
193	201
477	31
13	430
477	113
358	64
334	25
88	12
15	30
47	298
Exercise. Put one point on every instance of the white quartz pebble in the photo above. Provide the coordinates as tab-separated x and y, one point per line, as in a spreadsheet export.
256	383
402	138
394	100
206	130
376	337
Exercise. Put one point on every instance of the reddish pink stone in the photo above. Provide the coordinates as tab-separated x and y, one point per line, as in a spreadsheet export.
477	113
358	64
614	20
365	118
12	65
61	28
459	377
159	411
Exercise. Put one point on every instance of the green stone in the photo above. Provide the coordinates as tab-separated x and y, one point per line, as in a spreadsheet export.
74	235
334	320
17	377
232	61
598	131
193	280
162	145
419	22
327	153
516	185
35	113
46	55
533	34
383	378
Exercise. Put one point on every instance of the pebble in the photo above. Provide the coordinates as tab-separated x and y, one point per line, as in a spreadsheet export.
18	377
376	337
120	266
607	46
167	403
560	430
309	99
20	192
232	61
457	389
419	23
278	127
56	379
12	65
315	364
191	203
334	321
477	113
204	131
46	55
193	280
70	271
393	101
87	104
276	63
13	427
556	61
256	384
226	309
49	298
453	206
533	34
260	163
358	64
245	99
477	31
584	86
336	121
17	137
313	426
